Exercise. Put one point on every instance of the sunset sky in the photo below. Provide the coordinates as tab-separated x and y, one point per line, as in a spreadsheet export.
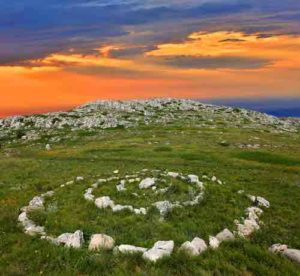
56	54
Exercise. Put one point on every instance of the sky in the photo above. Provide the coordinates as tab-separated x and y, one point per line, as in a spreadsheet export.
57	54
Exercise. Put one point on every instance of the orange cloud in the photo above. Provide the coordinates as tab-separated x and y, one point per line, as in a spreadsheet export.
53	82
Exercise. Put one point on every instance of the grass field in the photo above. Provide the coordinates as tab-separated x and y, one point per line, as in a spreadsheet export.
272	171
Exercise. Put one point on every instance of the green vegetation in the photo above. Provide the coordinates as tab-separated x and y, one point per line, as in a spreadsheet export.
273	171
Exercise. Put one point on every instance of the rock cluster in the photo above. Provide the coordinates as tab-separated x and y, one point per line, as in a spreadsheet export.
112	114
164	207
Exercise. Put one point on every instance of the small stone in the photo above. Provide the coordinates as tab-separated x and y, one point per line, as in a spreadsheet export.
104	202
276	248
129	249
79	178
147	183
195	247
101	241
74	240
48	147
116	171
262	202
118	208
214	179
193	178
37	202
164	207
225	235
214	242
173	174
292	254
159	250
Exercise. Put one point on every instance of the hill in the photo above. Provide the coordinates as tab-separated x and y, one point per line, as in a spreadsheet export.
177	172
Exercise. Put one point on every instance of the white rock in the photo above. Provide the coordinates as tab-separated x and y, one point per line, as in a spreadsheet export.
213	242
70	183
247	228
159	250
141	211
164	207
101	241
225	235
252	198
22	217
147	183
89	197
79	178
116	171
118	208
37	202
214	179
193	178
129	249
74	240
292	254
48	194
277	248
173	174
48	147
262	202
104	202
33	230
195	247
121	186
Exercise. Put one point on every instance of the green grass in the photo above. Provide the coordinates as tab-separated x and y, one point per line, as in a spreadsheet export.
272	172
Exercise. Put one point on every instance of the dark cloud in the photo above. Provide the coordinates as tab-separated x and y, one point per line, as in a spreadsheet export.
225	62
34	28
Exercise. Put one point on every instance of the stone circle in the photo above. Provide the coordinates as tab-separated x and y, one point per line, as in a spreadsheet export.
144	181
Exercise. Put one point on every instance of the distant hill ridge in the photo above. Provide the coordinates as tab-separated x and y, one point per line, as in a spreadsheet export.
105	114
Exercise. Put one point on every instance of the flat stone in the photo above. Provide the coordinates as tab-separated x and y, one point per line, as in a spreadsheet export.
118	208
159	250
147	183
129	249
292	254
101	241
173	174
79	178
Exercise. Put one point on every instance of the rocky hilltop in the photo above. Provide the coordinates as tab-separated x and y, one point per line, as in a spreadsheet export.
105	114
